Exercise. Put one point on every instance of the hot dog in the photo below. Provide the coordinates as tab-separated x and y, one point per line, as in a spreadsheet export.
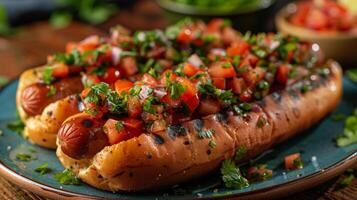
178	154
44	95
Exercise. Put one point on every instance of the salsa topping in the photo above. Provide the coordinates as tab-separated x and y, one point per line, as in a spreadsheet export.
149	80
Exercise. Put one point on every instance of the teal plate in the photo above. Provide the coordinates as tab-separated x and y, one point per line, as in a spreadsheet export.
323	160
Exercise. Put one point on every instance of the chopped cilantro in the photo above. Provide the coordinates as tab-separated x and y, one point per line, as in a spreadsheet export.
100	71
25	157
128	53
176	89
67	177
338	117
352	74
263	85
212	144
147	106
261	122
246	106
47	76
349	176
43	169
350	132
232	176
306	87
91	111
52	91
16	126
206	133
298	163
119	126
240	153
134	91
226	65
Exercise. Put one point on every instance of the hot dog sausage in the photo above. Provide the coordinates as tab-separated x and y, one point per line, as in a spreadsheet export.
179	154
37	96
82	136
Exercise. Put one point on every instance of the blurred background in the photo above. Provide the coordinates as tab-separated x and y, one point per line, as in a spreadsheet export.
32	29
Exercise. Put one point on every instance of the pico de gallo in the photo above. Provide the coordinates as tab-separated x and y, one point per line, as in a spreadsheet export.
145	81
324	16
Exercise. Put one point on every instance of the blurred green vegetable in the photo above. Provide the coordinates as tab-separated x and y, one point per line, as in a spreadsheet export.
350	131
5	28
352	74
90	11
3	80
221	4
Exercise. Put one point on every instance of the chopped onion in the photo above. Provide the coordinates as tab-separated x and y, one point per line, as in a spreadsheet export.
195	60
218	51
160	92
145	92
116	51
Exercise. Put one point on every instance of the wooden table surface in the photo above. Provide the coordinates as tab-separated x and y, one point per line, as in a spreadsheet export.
33	42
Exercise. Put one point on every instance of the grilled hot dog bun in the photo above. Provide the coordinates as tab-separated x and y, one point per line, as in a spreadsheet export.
178	154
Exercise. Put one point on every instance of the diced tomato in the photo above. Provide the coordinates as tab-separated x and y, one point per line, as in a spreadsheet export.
60	70
149	80
70	46
123	85
238	85
156	52
85	93
190	69
252	59
219	83
257	173
189	97
168	73
282	74
131	128
172	102
214	25
316	20
90	79
293	161
222	70
134	107
111	75
128	65
253	76
185	36
89	43
238	48
246	96
114	136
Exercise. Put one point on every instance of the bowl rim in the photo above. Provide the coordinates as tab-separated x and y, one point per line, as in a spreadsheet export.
284	26
181	8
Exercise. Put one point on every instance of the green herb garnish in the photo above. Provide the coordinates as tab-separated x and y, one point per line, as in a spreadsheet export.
206	133
240	153
349	133
232	176
16	126
47	76
119	126
43	169
212	144
352	74
25	157
52	91
67	177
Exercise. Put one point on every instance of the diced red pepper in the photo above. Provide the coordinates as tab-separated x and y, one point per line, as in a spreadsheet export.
185	36
238	48
189	97
128	65
111	75
290	161
282	74
149	80
60	70
123	85
222	70
220	83
189	69
238	85
134	107
131	128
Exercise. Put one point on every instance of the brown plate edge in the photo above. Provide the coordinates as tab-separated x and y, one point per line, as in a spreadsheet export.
272	192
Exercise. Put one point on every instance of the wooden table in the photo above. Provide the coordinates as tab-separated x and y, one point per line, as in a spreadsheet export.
34	42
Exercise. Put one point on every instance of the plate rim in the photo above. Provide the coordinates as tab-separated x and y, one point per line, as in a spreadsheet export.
273	191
